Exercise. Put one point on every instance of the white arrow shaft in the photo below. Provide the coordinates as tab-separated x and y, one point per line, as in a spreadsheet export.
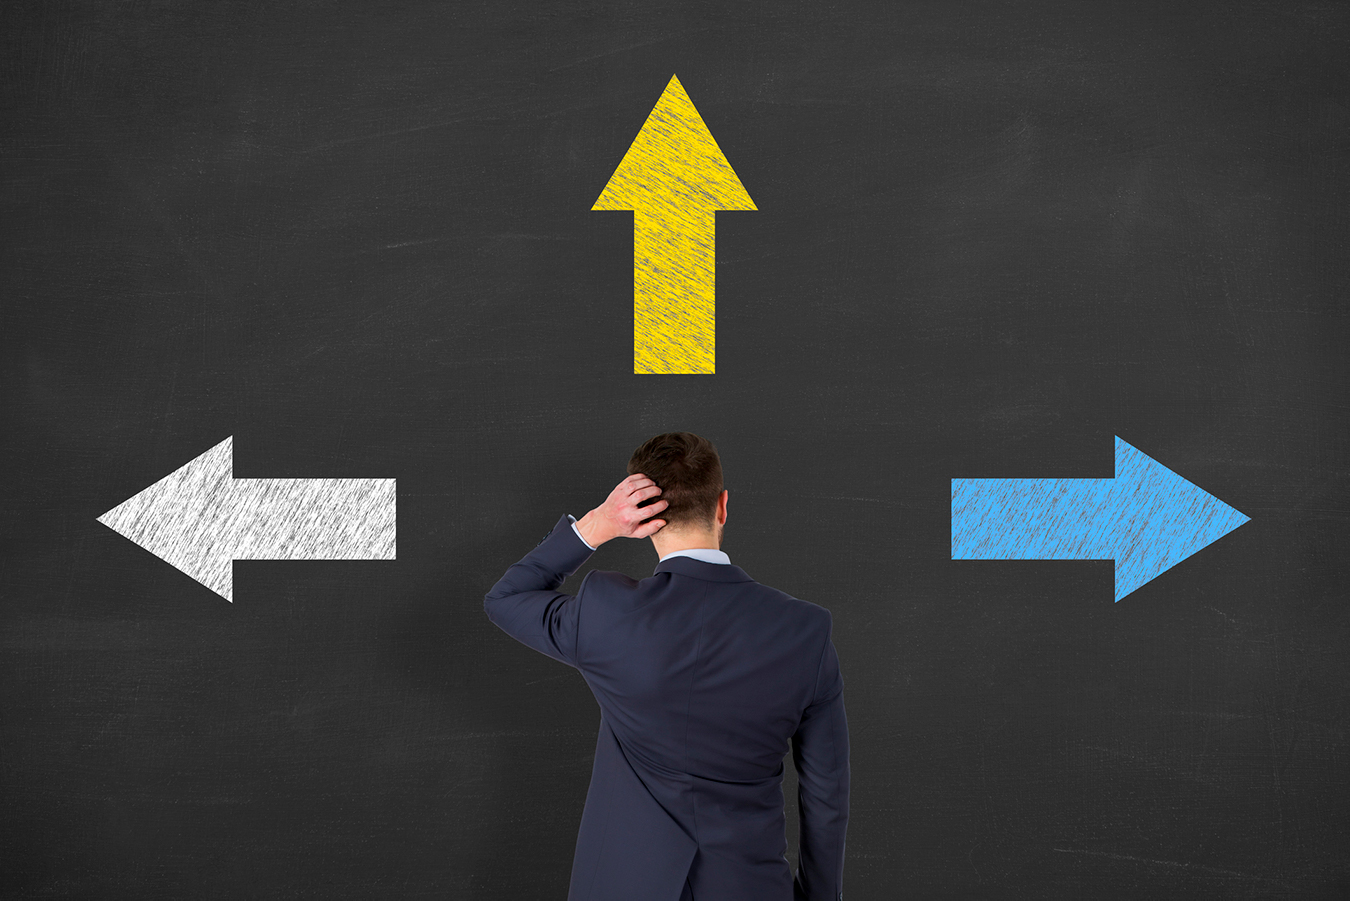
309	519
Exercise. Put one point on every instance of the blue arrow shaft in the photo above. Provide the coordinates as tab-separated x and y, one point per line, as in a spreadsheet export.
1035	519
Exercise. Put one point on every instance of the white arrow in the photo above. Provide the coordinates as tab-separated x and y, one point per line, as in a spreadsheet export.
201	519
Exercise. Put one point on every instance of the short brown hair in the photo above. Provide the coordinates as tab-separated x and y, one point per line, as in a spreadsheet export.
688	471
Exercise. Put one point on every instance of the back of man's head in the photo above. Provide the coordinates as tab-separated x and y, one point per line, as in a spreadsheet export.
688	471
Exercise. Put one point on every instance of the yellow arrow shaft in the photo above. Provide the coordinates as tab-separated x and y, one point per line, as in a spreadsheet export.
673	291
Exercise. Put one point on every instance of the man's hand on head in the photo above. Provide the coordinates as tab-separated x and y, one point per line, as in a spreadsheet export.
620	516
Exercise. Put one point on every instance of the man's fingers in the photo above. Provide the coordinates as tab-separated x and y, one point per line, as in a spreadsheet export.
639	492
634	518
641	513
636	480
649	528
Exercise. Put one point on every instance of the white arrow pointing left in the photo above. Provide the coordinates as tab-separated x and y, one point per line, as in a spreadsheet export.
201	519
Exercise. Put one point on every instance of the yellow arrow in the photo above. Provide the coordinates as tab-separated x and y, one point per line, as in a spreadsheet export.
674	178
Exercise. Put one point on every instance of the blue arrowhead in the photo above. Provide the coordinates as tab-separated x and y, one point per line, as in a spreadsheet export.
1147	519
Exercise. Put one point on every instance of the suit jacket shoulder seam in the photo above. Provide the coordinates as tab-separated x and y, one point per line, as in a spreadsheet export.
820	661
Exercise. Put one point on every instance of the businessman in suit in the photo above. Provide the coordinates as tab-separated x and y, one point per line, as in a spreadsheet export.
702	675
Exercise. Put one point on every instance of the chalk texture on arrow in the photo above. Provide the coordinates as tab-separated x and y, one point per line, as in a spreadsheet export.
200	519
1147	519
674	177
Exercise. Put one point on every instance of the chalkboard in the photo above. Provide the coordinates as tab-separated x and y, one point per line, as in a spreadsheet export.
357	239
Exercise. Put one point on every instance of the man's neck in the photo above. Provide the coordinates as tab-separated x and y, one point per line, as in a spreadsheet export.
684	542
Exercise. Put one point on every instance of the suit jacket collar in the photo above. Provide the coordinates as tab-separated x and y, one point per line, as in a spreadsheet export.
702	569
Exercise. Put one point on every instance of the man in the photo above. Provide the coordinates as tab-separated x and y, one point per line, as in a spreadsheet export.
702	675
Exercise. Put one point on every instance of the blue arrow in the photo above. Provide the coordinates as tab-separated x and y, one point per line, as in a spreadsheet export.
1147	519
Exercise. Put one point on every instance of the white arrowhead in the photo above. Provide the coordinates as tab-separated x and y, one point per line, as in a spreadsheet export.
200	519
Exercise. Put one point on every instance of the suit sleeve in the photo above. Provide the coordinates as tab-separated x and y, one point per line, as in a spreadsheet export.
820	754
526	604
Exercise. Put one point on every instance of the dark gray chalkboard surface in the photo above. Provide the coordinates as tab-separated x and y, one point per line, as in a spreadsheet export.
357	238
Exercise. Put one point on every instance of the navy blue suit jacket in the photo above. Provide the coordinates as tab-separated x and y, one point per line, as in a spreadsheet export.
702	675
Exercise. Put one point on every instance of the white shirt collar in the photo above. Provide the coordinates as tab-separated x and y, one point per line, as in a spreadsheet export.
706	554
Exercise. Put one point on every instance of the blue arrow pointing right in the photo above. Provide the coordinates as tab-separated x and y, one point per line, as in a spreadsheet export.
1147	519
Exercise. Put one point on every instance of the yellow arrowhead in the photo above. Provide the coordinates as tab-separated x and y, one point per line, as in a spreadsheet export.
674	178
674	162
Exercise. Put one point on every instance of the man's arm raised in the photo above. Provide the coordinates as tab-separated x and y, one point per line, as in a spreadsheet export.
525	602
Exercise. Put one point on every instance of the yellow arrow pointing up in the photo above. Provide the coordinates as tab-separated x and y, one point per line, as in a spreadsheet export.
674	178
